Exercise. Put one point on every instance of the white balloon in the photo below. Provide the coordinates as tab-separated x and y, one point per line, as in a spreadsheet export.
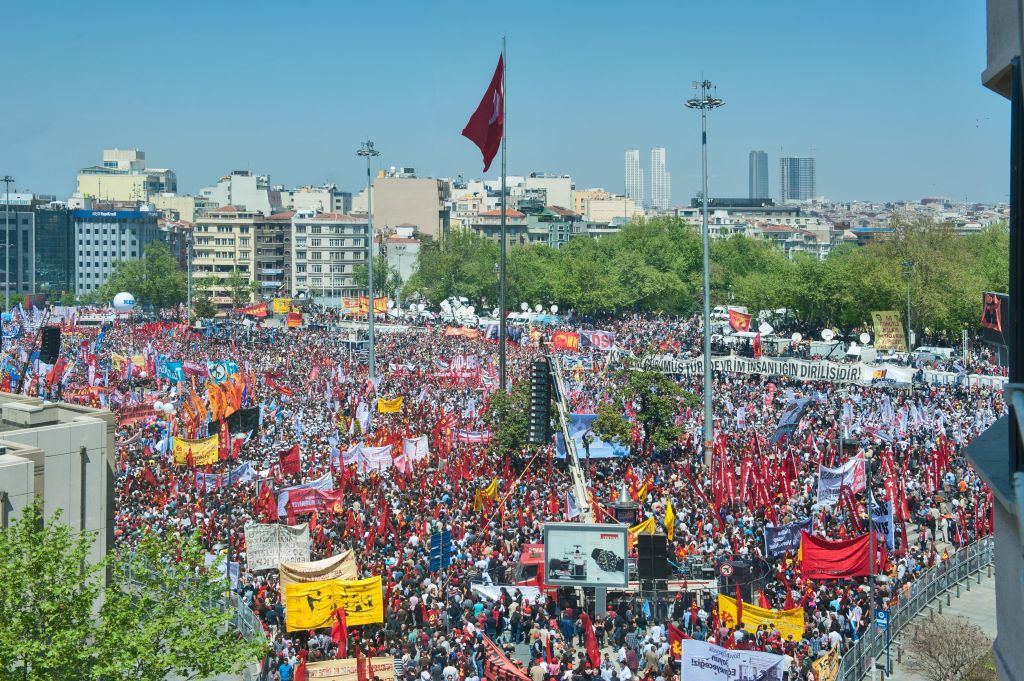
554	309
158	406
865	338
143	374
524	307
538	307
168	408
124	302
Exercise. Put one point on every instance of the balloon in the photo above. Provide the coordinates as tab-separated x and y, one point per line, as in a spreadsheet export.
168	408
124	302
158	406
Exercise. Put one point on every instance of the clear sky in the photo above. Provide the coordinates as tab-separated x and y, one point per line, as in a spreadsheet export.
886	94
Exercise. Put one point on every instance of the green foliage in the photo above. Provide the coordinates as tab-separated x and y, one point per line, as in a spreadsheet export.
611	425
508	419
239	287
386	279
155	279
202	297
47	598
656	399
165	620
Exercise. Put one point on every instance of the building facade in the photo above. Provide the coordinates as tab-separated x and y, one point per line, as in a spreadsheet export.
557	188
244	191
634	177
123	176
420	201
55	264
326	250
488	225
797	179
661	181
105	237
17	263
757	175
223	242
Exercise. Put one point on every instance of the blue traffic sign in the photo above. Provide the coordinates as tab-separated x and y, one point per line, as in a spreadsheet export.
882	618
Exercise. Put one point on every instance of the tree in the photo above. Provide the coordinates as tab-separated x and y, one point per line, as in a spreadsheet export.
155	279
239	287
655	399
508	418
202	297
944	649
386	279
160	617
46	603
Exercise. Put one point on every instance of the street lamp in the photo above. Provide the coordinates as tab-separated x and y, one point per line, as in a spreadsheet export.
908	269
7	243
705	102
366	149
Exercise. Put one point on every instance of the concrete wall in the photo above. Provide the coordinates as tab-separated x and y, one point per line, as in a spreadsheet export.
64	453
414	201
1009	590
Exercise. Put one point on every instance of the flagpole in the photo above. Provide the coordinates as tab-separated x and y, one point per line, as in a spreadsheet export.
501	276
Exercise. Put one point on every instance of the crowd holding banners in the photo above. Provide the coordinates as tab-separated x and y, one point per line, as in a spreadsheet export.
300	387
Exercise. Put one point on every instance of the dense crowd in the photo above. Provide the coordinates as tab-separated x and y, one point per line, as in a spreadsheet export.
312	389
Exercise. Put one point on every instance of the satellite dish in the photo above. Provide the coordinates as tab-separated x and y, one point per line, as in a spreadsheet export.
471	310
124	302
524	307
827	334
158	406
796	337
168	407
554	309
853	345
865	338
494	312
391	304
537	308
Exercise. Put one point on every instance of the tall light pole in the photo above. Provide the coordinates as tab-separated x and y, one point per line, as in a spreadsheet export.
366	149
706	101
7	243
908	269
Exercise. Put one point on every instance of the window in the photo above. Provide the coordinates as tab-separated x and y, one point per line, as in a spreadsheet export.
300	241
337	243
301	267
300	255
314	229
315	242
300	229
315	255
317	269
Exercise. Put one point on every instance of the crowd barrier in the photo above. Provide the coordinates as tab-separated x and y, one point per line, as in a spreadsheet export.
960	567
932	377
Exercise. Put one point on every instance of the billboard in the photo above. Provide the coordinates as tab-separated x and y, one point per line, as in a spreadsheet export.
704	661
578	554
995	321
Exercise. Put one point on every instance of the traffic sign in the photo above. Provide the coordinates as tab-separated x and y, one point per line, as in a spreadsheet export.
882	619
727	569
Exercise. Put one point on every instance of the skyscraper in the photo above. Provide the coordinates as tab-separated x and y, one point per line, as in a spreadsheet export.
758	175
634	177
661	181
796	179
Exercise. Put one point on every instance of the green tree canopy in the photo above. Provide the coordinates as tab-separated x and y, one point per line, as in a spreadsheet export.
386	279
155	279
656	400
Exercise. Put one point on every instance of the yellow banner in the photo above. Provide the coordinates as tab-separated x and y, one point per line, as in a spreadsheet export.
826	667
117	361
389	406
646	527
382	668
889	331
204	452
380	305
282	305
788	622
311	605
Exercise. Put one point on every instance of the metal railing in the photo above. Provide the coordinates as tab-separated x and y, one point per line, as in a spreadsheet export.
914	598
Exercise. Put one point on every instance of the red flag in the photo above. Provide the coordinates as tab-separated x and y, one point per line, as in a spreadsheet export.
757	346
739	605
289	459
486	125
339	632
739	321
824	559
593	650
762	600
675	641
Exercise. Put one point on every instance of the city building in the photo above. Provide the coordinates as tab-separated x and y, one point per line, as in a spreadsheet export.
758	175
580	198
552	226
488	225
123	176
19	259
796	179
105	236
222	244
54	251
326	250
181	207
661	181
402	198
634	177
557	188
243	190
63	453
402	251
273	256
323	199
618	209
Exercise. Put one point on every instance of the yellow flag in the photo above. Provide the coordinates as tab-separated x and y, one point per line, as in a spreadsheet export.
670	520
492	489
389	406
646	527
788	622
204	452
117	361
641	494
282	305
311	605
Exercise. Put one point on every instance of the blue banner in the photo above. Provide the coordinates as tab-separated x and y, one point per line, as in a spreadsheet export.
778	540
219	371
579	425
170	371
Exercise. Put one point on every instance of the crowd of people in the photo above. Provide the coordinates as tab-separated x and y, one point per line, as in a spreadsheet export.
312	389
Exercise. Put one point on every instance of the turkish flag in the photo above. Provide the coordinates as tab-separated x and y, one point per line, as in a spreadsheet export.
486	125
590	636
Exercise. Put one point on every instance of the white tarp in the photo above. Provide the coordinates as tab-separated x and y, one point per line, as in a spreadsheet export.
416	448
493	591
832	480
703	661
368	458
268	545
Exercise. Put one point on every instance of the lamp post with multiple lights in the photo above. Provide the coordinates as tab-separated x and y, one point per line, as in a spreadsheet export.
366	149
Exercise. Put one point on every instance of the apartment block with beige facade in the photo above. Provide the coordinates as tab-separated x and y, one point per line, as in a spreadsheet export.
224	241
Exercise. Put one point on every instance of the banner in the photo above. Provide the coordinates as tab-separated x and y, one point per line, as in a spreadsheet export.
380	305
171	371
831	481
565	340
311	605
704	661
739	321
788	622
220	371
294	320
392	406
798	369
282	305
883	522
324	483
257	310
348	669
597	340
824	559
826	667
790	418
889	331
243	473
368	458
416	448
272	543
341	566
497	666
202	452
308	500
778	540
472	438
579	426
459	331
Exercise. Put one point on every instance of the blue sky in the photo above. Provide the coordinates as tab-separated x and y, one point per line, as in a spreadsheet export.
887	94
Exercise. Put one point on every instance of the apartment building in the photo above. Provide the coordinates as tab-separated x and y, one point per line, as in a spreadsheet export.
223	243
326	249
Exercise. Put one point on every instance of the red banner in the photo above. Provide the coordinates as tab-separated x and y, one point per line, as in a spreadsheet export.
739	321
294	320
824	559
565	340
458	331
289	459
497	667
992	312
301	501
257	310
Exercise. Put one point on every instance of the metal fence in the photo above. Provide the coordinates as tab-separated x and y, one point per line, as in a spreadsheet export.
920	594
